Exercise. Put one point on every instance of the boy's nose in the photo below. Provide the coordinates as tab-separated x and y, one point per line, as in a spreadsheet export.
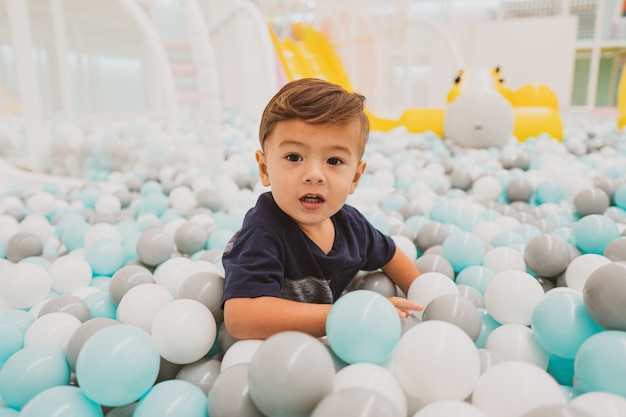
314	174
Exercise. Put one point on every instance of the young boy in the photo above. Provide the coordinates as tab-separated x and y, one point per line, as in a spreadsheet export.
300	246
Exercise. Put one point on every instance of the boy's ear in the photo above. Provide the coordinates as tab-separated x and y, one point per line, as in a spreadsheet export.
360	169
260	160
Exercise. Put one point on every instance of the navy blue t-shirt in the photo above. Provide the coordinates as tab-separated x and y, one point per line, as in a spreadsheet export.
271	256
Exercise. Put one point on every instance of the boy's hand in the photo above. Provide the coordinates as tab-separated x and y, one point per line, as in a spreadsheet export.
405	306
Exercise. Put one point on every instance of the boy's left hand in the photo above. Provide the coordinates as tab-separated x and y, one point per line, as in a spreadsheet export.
405	306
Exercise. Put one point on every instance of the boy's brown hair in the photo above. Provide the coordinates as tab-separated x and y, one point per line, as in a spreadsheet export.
313	101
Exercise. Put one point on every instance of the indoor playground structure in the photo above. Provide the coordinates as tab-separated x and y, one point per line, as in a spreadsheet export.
496	162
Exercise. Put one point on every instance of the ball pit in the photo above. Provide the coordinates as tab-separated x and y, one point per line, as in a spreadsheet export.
520	248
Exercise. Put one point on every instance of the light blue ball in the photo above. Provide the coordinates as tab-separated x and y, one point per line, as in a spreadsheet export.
3	250
30	371
100	305
117	365
415	223
218	239
561	369
600	363
527	231
68	221
476	276
130	248
11	340
487	325
549	191
561	323
378	219
105	257
363	326
394	201
89	195
150	187
61	401
594	232
8	412
74	236
20	318
173	398
507	238
155	203
463	249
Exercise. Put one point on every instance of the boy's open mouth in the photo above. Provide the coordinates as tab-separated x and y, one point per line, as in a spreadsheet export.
312	199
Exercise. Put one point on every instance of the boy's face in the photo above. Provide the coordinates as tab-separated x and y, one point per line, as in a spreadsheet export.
311	168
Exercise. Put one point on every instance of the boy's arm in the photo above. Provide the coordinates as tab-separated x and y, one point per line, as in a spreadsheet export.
401	270
262	317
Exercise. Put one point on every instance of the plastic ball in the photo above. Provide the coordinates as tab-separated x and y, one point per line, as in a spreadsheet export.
52	329
604	295
519	189
600	363
515	342
11	340
449	408
457	310
191	237
547	255
561	323
487	325
477	276
434	263
207	288
127	277
581	267
30	371
616	250
363	326
549	191
203	373
486	188
102	231
436	360
230	394
61	401
472	294
117	365
154	246
503	259
240	352
591	201
556	411
352	402
23	245
282	381
431	234
511	296
105	257
183	331
69	304
600	404
24	285
378	282
82	334
512	388
594	232
140	305
375	378
69	273
429	286
463	249
108	204
173	398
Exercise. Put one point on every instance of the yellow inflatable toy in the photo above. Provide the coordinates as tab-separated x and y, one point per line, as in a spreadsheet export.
621	100
310	54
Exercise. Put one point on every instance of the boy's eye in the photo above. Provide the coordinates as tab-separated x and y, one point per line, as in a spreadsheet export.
294	157
335	161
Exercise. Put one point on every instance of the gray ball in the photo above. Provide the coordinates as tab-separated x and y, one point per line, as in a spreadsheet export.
207	288
154	246
69	304
457	310
519	189
431	262
126	278
230	395
191	237
23	245
591	201
547	255
431	234
379	282
616	249
472	294
355	402
202	373
604	295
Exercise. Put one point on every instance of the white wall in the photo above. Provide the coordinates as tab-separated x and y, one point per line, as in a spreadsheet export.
527	51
